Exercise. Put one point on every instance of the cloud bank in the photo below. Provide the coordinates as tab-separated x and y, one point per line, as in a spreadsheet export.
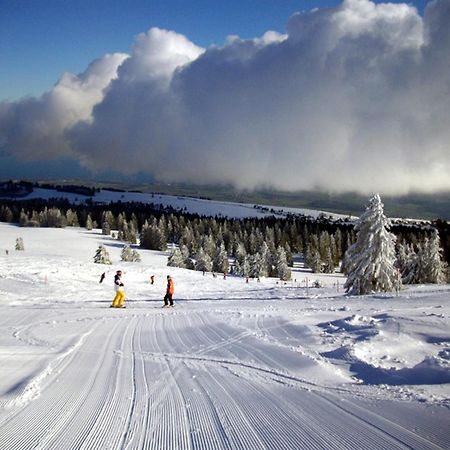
355	97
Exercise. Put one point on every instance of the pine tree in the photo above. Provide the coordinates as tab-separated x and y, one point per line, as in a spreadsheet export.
89	223
23	219
6	215
187	261
371	259
328	266
257	266
131	235
72	218
153	239
106	229
102	255
220	263
266	259
338	247
108	216
435	270
282	268
245	269
410	264
240	257
176	258
208	244
324	244
203	261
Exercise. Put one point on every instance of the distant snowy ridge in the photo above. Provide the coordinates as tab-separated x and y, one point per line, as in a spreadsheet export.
191	205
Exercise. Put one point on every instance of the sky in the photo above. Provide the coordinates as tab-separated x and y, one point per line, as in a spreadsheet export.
288	94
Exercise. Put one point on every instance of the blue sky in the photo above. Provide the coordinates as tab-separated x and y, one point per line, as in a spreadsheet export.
41	39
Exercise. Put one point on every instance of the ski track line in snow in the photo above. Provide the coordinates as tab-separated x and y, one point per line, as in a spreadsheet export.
34	386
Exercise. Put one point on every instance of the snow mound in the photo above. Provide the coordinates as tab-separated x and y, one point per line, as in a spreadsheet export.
377	351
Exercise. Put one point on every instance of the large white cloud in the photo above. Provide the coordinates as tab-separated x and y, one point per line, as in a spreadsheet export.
34	128
351	98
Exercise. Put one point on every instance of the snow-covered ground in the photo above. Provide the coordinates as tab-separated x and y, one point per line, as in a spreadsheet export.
235	365
188	204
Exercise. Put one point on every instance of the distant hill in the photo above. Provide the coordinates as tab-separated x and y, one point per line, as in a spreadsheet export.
414	206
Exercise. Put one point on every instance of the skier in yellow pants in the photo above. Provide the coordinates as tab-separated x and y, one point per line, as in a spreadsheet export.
120	294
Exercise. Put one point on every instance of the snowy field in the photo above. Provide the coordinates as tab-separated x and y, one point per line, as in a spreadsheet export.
234	365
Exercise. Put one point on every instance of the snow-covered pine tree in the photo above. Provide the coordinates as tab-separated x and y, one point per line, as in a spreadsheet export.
89	223
267	260
19	244
106	229
406	262
208	244
130	233
324	244
371	259
23	218
188	239
411	264
435	270
126	254
328	266
203	261
102	255
187	261
240	254
220	262
6	215
71	218
176	258
312	254
245	268
153	239
257	266
108	216
135	256
282	268
337	254
312	258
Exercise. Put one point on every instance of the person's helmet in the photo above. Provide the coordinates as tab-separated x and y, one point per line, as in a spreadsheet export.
119	271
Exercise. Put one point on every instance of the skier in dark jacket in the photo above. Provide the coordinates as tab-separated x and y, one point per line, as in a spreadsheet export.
120	294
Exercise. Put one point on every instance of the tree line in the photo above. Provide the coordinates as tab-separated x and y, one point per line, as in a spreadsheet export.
253	247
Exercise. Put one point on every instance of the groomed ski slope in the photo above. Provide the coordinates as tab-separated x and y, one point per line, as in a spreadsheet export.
234	365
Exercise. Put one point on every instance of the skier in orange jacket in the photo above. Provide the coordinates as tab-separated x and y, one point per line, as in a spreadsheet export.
168	298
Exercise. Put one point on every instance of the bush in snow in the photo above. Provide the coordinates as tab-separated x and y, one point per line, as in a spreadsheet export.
102	255
129	255
19	244
371	259
126	253
135	256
